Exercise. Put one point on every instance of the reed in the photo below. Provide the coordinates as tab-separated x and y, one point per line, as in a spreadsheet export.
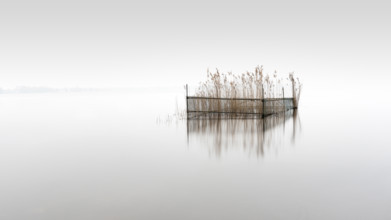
249	85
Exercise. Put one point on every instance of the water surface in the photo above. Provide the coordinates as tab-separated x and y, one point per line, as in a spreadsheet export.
112	155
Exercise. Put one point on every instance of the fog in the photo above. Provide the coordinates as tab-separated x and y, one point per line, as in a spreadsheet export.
89	90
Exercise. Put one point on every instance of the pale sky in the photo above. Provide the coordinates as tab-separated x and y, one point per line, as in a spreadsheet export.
121	43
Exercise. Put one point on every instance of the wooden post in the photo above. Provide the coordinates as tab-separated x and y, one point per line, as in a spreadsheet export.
187	100
263	103
283	98
293	92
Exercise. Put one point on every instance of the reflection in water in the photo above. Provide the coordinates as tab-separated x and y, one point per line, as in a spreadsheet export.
255	136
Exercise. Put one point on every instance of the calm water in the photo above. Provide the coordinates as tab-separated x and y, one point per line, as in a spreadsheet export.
117	156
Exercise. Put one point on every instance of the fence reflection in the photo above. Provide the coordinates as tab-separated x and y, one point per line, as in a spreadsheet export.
255	136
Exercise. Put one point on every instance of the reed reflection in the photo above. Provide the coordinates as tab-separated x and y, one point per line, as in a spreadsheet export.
251	134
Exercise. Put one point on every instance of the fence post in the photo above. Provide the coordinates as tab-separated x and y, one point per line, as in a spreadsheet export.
293	92
283	98
263	103
187	101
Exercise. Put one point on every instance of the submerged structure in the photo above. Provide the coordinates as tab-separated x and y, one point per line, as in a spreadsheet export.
249	95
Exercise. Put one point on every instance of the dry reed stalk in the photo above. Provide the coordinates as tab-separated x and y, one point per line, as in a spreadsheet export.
249	85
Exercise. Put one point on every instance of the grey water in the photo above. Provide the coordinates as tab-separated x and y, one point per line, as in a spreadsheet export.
120	155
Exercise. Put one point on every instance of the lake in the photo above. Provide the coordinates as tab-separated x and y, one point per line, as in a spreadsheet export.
117	155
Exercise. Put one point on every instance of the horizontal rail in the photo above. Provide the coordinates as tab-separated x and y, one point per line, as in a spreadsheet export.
214	111
252	113
247	99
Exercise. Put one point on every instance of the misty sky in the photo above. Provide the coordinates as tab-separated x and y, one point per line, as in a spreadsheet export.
148	43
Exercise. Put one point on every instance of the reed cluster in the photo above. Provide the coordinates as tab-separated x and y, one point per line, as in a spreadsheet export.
296	89
224	91
254	85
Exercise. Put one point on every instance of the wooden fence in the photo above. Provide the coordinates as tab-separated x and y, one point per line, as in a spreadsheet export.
236	107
